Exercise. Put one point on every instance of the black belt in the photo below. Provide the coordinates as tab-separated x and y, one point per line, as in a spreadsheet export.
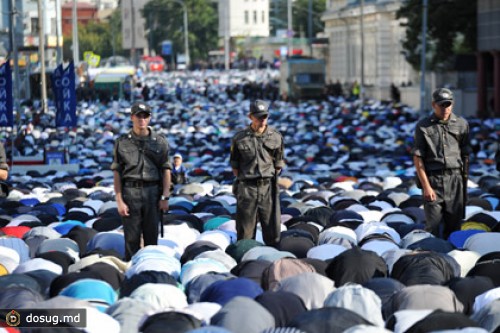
443	172
257	181
141	183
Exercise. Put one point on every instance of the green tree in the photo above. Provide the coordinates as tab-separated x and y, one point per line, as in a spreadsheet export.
451	30
115	25
96	37
164	20
102	38
300	20
278	16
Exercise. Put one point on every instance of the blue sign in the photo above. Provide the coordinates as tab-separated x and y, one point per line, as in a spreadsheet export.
166	48
55	79
6	111
65	95
55	157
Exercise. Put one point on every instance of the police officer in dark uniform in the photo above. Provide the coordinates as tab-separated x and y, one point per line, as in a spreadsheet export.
441	156
497	157
257	159
141	171
4	172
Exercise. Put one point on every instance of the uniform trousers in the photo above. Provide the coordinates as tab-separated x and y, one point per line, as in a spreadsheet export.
255	203
448	208
144	216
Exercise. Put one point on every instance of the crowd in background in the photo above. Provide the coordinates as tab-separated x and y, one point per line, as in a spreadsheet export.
353	256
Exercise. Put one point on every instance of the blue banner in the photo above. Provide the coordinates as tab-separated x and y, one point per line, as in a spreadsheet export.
55	80
6	110
65	95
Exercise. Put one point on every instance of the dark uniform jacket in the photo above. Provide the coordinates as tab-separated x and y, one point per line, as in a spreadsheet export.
257	156
141	158
442	145
4	188
497	157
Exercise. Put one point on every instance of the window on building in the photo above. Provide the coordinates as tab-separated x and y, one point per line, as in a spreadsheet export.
34	25
255	17
263	16
246	17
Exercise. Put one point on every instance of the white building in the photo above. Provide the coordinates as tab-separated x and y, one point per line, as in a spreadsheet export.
101	4
384	60
133	24
28	16
244	18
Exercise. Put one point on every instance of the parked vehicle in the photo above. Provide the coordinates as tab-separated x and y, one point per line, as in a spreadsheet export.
153	64
113	85
302	78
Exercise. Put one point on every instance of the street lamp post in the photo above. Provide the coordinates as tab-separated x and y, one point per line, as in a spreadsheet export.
362	28
76	45
41	46
14	52
132	40
422	58
58	31
186	35
186	31
309	27
290	29
227	37
347	37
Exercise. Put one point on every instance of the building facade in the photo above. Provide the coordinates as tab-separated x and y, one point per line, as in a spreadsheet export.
133	25
100	4
85	13
384	62
244	18
5	16
30	27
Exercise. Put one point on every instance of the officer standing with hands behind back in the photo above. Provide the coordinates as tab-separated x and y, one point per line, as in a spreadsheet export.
141	171
256	160
441	157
